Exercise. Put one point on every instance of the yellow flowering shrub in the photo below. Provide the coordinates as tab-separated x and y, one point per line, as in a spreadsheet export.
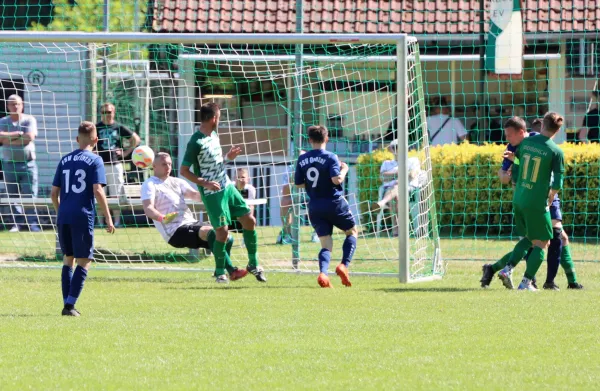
471	200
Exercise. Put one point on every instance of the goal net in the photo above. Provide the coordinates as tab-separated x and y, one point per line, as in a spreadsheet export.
369	95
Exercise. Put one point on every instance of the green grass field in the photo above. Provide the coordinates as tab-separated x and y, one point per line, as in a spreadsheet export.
373	254
165	330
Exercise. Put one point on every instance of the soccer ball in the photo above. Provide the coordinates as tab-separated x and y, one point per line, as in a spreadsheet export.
142	157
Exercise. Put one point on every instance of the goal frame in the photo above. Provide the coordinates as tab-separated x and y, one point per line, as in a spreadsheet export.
400	40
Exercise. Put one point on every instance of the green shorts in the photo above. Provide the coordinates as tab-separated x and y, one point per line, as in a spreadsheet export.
533	223
224	206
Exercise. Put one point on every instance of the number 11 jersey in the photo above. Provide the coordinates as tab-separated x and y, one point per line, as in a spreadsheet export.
76	175
314	170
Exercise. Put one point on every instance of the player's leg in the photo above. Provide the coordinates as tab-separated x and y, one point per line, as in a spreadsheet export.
520	249
66	247
344	220
240	210
83	251
220	218
539	230
324	228
207	236
566	261
554	253
324	257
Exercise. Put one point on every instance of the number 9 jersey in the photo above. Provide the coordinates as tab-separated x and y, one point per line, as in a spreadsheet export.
315	169
76	175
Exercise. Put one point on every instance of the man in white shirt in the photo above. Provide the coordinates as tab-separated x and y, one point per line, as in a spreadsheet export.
442	128
389	175
163	198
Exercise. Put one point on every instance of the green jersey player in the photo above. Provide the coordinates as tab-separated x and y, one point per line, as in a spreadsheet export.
539	179
222	200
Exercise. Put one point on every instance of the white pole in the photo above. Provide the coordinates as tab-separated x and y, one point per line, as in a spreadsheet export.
297	129
453	87
556	90
403	220
106	29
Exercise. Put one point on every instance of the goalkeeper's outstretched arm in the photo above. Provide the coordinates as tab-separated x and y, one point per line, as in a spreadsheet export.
152	213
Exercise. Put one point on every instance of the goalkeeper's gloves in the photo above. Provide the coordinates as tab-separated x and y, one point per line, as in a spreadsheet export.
166	219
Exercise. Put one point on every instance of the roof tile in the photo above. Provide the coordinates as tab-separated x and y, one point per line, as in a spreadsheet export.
370	16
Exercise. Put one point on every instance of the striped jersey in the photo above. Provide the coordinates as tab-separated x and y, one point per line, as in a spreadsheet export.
204	155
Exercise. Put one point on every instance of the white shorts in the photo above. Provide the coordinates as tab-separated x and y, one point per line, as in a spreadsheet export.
115	182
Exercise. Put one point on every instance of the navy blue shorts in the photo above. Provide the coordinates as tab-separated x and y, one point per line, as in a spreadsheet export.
555	213
326	214
76	240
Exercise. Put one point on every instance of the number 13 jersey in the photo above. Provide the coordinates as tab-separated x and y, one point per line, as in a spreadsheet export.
76	175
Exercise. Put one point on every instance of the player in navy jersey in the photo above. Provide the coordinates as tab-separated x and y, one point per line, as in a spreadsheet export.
558	251
321	174
79	178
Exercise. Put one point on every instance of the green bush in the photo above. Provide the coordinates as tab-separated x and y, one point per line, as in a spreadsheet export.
470	200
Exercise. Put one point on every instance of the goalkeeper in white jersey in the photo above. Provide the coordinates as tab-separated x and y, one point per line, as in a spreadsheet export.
163	198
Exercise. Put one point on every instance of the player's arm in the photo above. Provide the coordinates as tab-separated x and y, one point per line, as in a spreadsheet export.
56	183
341	169
190	156
98	178
54	195
504	173
102	201
299	176
558	171
189	193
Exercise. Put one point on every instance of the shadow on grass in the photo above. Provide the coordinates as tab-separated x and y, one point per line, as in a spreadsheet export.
425	289
26	315
214	287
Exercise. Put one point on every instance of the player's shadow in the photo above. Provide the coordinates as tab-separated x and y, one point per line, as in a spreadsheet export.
425	289
232	287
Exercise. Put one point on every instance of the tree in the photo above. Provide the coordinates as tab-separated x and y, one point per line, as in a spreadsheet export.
88	15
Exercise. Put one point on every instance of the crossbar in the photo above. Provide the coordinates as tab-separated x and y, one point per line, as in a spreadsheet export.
324	58
227	38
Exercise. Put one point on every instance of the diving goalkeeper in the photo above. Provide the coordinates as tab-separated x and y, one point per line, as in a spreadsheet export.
163	198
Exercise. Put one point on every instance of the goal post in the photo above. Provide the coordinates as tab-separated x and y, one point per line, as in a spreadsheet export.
366	88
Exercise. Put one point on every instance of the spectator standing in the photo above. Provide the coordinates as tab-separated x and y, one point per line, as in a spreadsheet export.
442	128
590	128
18	132
110	149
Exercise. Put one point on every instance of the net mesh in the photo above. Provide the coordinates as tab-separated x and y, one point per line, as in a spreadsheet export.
349	88
472	208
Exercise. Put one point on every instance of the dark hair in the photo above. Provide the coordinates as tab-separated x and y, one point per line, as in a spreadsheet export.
515	122
86	128
438	101
553	122
317	133
537	121
208	111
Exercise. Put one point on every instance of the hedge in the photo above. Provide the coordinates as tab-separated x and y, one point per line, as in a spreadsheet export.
470	200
